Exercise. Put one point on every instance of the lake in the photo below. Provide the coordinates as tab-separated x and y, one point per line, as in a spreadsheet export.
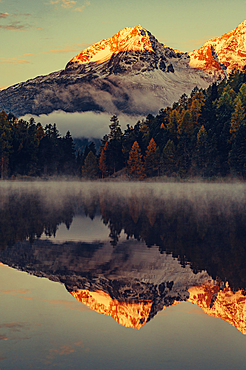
100	275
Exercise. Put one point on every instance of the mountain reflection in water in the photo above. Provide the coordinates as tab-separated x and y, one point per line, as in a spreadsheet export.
166	244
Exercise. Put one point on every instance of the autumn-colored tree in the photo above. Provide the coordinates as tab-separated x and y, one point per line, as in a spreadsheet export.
134	163
186	125
242	95
173	121
196	107
103	161
151	160
90	168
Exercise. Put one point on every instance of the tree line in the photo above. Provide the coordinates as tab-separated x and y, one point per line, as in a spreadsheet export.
200	135
177	226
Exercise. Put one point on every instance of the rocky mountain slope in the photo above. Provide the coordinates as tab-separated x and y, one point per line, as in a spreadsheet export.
222	54
131	72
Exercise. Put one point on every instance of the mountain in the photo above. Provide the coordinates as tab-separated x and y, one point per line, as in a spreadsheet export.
222	54
130	282
132	72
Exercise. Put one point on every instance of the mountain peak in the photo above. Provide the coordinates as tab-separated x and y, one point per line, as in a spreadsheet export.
242	25
222	54
128	39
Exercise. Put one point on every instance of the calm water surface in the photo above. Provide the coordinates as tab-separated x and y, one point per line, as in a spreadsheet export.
122	276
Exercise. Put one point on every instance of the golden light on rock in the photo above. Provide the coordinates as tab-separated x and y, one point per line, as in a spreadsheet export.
227	305
130	315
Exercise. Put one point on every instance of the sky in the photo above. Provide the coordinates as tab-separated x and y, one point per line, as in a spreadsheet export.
40	36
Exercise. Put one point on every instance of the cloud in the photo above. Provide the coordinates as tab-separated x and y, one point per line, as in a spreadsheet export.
87	124
14	26
64	3
15	21
13	326
63	350
69	4
27	55
82	8
66	349
21	15
15	61
3	15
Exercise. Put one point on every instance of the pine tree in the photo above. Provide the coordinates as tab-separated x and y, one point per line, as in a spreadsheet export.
103	167
134	163
151	160
115	159
115	130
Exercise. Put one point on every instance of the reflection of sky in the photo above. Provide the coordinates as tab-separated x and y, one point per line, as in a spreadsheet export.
82	229
43	326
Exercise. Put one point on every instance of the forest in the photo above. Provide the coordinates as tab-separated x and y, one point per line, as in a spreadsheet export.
202	135
176	225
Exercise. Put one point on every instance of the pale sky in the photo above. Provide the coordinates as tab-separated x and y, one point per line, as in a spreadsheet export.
40	36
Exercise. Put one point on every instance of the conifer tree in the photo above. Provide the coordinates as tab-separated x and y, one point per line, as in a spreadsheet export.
5	143
237	117
151	160
173	122
168	158
186	125
202	150
134	163
103	167
90	168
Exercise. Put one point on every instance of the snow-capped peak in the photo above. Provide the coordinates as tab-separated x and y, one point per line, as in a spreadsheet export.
128	39
224	53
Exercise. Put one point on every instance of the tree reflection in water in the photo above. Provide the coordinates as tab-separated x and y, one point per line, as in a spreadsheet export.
202	228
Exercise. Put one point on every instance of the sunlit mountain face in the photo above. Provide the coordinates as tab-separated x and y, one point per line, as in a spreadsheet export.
158	245
130	72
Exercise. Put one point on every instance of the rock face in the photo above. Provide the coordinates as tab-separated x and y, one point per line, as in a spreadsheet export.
222	54
221	302
131	72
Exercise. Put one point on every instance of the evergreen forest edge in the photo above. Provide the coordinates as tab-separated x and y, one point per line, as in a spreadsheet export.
202	135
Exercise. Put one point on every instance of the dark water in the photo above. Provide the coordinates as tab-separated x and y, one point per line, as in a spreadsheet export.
122	276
